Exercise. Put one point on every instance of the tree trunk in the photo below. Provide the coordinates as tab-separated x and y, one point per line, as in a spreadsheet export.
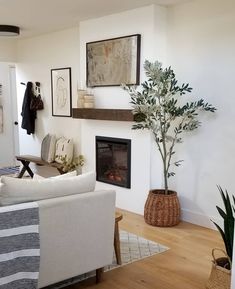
165	176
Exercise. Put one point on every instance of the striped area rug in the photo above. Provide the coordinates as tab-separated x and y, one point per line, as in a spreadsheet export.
9	171
133	248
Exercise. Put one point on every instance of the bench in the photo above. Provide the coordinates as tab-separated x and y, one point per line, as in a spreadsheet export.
27	159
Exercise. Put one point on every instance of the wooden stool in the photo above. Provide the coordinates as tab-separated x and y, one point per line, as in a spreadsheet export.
118	217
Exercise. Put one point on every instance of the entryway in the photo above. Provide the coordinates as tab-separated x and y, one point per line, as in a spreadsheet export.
9	136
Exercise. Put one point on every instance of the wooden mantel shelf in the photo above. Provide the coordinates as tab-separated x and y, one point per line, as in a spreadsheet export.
103	114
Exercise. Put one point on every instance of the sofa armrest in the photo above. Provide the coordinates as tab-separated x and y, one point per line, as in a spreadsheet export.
76	235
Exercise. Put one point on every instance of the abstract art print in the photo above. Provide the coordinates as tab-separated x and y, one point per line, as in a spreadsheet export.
113	62
61	91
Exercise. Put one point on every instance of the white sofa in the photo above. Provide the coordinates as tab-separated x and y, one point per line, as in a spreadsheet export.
76	232
76	235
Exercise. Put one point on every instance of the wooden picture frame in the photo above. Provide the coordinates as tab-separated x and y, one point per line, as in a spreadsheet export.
61	94
113	62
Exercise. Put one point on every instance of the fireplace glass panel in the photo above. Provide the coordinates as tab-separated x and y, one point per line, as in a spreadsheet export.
113	156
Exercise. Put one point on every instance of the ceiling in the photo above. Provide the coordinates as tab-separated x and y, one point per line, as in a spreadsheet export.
37	17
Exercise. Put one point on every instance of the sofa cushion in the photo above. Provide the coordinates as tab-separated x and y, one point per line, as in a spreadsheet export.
48	148
63	176
14	190
64	150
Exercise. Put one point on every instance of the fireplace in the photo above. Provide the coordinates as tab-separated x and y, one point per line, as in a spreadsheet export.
113	161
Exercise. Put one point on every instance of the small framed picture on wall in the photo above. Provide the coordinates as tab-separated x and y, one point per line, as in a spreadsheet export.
61	94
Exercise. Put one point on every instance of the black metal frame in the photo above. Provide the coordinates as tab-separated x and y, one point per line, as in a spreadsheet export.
137	62
115	141
70	94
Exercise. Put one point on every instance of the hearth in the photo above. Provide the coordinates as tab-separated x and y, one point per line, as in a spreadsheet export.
113	161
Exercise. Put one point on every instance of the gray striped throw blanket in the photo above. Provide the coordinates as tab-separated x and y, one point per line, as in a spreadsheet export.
19	246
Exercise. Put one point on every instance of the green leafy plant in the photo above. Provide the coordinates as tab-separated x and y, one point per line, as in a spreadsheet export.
156	108
227	233
68	166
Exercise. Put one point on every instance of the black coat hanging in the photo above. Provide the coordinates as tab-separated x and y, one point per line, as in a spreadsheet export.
28	115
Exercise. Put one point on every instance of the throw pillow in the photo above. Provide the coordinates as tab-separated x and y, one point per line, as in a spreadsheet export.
48	148
64	150
64	176
14	190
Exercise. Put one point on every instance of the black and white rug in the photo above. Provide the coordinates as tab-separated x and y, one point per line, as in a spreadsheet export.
133	248
9	171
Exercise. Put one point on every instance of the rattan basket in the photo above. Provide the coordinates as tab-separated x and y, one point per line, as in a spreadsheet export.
220	277
162	210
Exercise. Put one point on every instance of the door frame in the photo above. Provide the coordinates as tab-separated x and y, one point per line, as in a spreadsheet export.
14	111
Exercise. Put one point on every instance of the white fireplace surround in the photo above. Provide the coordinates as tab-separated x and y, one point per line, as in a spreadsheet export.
140	159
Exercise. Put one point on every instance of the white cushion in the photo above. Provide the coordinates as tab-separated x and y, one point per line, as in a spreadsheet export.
14	190
48	148
63	176
64	149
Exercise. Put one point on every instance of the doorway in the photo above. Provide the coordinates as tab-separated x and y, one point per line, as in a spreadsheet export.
9	135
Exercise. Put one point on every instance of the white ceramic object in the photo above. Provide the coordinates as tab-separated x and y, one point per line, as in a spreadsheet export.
81	94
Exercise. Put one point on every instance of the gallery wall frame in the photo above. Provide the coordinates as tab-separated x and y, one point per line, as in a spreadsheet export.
61	92
112	62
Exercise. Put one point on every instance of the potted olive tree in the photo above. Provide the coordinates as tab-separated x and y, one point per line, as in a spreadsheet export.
156	108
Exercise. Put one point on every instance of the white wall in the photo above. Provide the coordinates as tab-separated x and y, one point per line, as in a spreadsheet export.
137	21
201	45
8	51
150	22
36	57
200	49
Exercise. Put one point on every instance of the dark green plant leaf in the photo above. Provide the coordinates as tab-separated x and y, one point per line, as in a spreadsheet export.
228	218
227	247
221	212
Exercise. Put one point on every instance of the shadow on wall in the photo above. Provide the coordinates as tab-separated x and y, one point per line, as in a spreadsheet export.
192	213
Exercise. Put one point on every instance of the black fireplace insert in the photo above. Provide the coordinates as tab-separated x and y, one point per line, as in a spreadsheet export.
113	161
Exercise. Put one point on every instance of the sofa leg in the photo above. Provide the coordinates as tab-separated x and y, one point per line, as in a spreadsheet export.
99	274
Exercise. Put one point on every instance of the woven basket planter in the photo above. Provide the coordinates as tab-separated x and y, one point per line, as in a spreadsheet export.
162	210
220	277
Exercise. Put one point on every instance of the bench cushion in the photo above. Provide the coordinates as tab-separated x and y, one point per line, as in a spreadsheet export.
48	148
14	190
64	150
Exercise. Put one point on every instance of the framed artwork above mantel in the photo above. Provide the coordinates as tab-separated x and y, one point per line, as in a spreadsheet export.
113	62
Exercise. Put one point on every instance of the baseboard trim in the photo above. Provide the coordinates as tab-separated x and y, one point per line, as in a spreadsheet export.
190	217
199	219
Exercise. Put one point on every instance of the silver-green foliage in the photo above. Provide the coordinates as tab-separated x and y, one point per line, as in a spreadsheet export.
156	107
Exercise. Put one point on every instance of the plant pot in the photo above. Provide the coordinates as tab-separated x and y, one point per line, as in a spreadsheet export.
220	276
162	210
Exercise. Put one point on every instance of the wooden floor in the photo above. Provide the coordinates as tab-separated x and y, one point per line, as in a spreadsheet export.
185	266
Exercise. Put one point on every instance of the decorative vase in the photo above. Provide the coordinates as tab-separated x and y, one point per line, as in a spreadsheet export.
162	210
81	94
89	101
